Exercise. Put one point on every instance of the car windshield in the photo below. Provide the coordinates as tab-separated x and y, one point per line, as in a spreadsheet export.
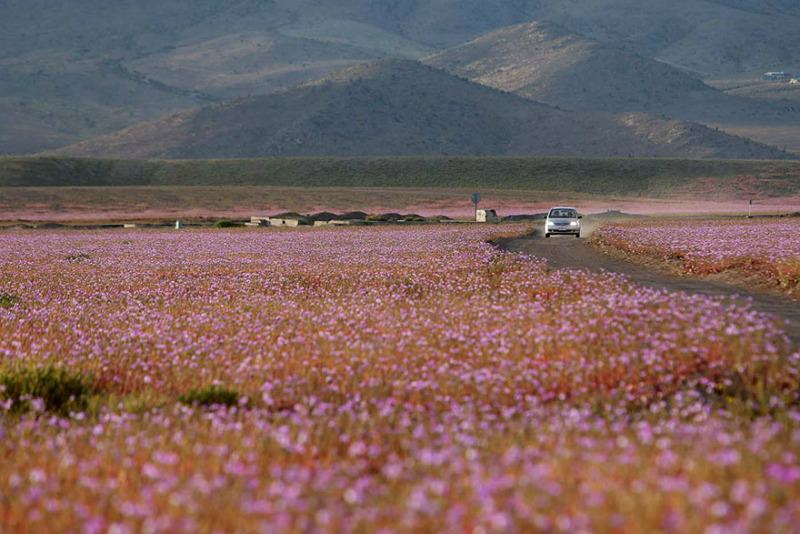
563	214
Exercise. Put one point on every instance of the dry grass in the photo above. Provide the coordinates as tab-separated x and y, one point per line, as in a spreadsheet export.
148	203
162	204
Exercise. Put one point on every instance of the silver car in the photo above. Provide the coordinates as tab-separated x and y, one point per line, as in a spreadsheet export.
563	221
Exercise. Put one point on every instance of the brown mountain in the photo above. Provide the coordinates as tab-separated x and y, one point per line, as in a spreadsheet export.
709	37
73	70
248	63
402	107
544	62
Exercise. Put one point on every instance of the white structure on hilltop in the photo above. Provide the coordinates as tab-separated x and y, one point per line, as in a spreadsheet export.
778	76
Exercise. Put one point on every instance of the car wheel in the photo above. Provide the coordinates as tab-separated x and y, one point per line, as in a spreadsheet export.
578	236
547	235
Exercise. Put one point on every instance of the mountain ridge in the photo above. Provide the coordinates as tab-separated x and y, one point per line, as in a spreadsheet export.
402	107
72	71
545	62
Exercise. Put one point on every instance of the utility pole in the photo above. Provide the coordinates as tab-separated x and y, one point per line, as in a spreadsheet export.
750	209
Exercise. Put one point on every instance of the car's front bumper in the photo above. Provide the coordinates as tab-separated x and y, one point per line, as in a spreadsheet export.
564	230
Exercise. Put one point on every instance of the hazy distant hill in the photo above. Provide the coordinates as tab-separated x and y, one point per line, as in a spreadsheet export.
405	108
546	63
248	63
542	61
707	37
73	70
725	34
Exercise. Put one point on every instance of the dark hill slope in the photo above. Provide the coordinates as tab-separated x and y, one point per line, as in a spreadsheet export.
405	108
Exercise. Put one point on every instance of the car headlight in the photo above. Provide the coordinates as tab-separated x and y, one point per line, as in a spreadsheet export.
574	223
550	223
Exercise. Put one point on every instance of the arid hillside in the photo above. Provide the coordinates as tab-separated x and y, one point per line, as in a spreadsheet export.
542	61
402	107
70	71
73	70
708	37
546	63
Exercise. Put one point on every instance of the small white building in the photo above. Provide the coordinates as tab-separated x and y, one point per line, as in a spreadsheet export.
258	221
795	81
290	223
486	216
779	76
272	221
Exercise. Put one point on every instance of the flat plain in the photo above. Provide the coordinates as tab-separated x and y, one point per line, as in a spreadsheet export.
88	190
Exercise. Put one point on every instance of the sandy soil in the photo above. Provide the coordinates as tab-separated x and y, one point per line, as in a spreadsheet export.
156	203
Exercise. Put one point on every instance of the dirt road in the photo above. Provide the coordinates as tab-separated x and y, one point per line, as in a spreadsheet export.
571	253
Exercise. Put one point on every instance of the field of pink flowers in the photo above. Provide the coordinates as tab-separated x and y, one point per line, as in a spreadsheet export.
765	249
383	379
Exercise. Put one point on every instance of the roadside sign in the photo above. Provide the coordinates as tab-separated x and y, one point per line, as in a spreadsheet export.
476	199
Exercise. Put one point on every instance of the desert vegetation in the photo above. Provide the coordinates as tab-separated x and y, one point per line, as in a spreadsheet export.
654	177
46	189
367	378
765	252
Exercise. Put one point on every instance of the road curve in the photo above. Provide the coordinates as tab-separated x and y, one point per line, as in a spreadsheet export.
571	253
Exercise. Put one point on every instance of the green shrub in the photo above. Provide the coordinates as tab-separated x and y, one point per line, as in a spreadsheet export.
385	217
61	391
7	300
211	396
226	224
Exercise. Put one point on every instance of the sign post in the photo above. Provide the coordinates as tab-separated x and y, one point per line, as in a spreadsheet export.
750	209
476	199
